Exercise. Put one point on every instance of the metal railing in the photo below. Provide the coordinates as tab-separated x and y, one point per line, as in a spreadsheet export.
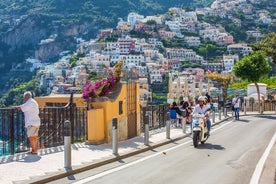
13	138
266	106
155	115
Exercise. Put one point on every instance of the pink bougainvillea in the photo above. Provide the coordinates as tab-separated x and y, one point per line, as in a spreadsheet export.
100	88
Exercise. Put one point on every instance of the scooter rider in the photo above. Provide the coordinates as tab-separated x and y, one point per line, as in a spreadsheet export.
201	108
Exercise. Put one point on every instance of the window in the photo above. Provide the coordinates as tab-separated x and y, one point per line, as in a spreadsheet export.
120	107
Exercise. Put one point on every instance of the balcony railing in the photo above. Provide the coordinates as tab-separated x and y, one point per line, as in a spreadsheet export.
156	115
13	138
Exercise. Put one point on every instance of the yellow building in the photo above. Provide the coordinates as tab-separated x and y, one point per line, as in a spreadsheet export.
123	104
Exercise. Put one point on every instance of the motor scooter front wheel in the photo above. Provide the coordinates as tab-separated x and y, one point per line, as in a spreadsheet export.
195	138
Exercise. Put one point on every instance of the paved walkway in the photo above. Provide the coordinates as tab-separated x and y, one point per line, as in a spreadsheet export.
49	163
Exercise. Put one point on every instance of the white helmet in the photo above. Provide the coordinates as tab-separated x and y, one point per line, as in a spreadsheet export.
201	98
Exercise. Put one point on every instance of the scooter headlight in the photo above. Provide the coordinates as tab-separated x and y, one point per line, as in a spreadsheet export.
195	121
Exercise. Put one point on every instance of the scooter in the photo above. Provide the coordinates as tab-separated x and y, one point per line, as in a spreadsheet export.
199	129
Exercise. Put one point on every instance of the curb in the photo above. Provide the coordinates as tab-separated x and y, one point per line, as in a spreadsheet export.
73	171
144	148
82	168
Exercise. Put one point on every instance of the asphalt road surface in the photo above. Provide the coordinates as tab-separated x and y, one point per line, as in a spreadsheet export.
229	156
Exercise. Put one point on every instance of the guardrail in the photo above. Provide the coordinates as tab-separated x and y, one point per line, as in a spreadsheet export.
155	115
13	138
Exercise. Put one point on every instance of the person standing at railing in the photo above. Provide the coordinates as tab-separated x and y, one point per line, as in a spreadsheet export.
30	109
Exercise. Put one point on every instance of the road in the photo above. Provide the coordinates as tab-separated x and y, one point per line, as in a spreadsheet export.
229	156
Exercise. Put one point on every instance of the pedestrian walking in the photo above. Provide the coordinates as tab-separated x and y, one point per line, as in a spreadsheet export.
236	105
32	120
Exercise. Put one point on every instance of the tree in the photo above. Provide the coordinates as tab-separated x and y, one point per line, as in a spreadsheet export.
252	68
151	22
267	44
92	76
223	80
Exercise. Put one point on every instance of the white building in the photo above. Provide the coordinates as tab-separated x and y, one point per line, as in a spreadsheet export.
254	33
174	26
133	18
142	71
35	64
155	76
252	91
181	54
157	19
155	41
229	61
134	59
192	41
240	49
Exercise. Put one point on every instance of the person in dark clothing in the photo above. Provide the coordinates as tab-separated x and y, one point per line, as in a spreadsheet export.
208	98
181	110
188	109
178	113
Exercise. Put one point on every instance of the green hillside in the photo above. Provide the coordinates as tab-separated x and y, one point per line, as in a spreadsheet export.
105	12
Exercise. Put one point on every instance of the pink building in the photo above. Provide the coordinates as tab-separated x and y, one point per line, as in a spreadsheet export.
228	40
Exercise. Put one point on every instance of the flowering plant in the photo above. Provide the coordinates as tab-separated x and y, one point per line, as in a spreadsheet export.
100	88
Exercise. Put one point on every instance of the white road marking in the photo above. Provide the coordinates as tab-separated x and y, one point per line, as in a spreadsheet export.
259	168
127	165
254	179
137	161
223	125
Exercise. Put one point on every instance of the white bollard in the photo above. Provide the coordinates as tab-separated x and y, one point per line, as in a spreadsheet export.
114	136
146	133
184	121
244	108
168	126
67	145
213	117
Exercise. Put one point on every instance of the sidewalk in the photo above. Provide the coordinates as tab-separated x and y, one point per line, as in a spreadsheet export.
49	163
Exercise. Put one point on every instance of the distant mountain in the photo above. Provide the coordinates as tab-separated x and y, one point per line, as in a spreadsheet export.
25	23
104	12
98	7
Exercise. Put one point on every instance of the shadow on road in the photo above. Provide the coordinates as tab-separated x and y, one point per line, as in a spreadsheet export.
210	146
266	116
242	120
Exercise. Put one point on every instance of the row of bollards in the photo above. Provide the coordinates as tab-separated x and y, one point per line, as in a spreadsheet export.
67	135
67	141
